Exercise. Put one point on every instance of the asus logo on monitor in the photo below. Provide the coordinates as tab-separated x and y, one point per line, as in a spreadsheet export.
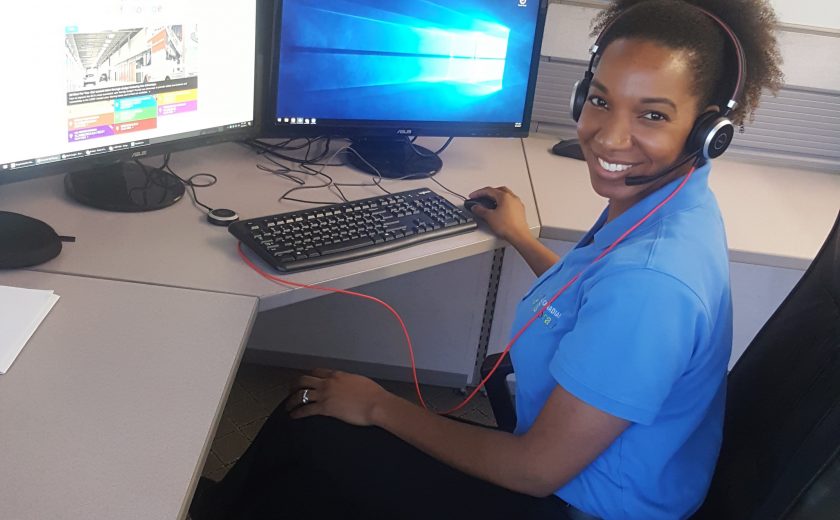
139	154
404	131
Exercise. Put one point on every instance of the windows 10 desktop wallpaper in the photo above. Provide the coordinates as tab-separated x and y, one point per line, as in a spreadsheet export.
405	60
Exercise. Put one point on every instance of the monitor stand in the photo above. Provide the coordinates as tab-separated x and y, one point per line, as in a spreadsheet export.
25	241
394	158
124	186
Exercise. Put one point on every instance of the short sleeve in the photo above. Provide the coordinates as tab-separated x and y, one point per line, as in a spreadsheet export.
633	338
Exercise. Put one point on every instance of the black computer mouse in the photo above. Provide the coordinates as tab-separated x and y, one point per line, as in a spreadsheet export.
487	202
568	148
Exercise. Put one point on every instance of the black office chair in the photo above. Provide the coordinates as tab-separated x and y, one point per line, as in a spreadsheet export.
782	424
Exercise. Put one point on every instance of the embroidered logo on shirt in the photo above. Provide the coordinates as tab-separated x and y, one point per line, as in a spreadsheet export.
549	315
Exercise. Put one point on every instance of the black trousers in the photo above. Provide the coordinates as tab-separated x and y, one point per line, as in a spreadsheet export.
320	467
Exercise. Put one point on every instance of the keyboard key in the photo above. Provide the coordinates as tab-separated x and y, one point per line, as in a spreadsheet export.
338	247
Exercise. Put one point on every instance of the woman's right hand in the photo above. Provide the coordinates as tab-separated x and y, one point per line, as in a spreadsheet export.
507	221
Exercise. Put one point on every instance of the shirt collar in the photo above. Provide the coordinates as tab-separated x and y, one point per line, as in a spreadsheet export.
694	191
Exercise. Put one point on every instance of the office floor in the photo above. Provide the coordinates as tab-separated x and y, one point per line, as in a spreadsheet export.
258	389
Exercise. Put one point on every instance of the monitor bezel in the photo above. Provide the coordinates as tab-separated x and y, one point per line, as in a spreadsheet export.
175	143
270	128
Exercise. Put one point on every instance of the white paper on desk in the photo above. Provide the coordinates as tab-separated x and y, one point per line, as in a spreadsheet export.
21	311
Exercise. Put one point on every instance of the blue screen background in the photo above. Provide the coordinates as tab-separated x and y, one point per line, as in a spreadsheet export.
405	60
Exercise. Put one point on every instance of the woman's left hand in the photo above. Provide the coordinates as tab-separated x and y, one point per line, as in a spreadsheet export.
349	397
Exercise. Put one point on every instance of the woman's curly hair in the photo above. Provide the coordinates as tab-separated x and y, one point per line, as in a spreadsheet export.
678	25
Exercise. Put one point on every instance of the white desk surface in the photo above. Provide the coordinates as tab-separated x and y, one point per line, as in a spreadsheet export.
176	247
110	409
774	216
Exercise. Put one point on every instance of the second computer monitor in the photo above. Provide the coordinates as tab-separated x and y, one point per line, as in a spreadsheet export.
380	72
90	86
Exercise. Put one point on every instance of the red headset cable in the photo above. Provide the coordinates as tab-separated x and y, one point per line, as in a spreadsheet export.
278	280
283	281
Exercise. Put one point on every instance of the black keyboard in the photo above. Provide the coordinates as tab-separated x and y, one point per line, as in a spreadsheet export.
345	231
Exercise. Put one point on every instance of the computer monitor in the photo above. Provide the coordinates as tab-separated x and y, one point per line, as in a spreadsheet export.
381	73
91	86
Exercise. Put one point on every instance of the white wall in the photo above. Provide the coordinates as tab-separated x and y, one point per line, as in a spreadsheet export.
567	30
810	60
818	13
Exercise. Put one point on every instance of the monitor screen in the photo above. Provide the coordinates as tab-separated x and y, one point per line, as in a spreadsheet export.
99	81
404	67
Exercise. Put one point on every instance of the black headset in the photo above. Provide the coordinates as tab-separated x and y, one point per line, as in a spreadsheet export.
713	131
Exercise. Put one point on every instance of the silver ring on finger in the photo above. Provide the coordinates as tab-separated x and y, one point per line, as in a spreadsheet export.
305	397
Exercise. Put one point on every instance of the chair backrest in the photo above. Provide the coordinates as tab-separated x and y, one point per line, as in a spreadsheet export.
782	423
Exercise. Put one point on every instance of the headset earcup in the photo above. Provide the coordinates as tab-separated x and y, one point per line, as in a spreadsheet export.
699	131
579	94
719	138
710	136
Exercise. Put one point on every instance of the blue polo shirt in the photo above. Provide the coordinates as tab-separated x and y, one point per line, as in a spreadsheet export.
645	335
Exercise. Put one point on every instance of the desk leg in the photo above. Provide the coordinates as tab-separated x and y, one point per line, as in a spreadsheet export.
489	312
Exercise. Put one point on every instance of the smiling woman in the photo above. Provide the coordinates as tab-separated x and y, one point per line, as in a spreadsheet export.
637	118
652	137
621	346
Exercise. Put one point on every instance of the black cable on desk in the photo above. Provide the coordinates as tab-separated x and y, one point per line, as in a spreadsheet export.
188	182
272	152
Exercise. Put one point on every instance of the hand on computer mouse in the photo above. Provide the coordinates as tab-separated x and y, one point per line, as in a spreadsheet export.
486	202
507	220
